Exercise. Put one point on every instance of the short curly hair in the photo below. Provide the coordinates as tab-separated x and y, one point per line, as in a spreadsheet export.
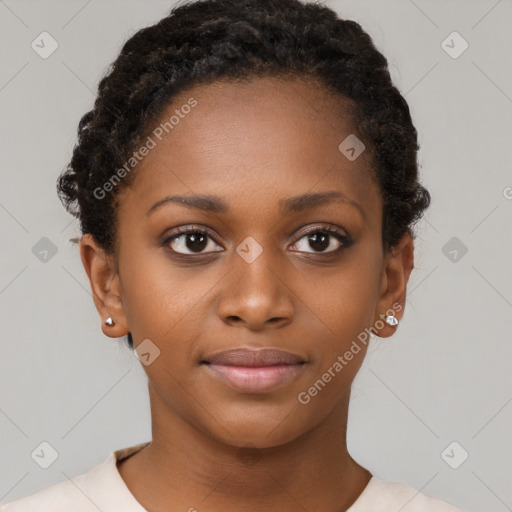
207	40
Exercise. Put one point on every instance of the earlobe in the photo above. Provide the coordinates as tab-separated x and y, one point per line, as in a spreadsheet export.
398	266
105	286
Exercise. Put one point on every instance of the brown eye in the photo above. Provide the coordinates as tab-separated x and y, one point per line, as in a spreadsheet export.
191	241
324	240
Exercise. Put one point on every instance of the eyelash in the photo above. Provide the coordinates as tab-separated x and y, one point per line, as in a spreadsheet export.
344	240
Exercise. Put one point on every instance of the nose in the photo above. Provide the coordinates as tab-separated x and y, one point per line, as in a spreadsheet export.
256	295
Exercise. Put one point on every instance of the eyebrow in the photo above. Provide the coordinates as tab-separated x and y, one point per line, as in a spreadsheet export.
215	204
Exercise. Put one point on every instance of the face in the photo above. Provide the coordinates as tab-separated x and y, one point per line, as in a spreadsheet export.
275	243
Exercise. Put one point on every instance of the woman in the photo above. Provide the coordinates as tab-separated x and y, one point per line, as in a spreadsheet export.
247	187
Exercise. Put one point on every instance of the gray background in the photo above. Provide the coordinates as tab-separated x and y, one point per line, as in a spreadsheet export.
445	376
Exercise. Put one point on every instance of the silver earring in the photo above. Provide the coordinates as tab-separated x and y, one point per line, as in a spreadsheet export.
392	320
109	321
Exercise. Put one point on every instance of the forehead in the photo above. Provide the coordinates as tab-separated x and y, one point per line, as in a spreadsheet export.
253	142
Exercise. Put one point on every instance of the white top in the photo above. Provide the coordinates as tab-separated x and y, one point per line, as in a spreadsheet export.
102	488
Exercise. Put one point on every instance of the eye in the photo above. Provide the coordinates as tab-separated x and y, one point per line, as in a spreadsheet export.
189	240
324	239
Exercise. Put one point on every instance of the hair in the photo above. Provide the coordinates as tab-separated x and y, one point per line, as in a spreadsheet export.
202	41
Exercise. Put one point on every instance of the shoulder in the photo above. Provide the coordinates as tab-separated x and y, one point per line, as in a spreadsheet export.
100	488
59	497
383	495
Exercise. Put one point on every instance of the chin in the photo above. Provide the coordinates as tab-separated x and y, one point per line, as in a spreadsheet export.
257	429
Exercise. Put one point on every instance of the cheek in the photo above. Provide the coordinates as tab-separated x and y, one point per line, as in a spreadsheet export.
346	309
166	304
345	301
158	296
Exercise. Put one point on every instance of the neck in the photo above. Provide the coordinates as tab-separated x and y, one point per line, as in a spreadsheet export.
187	468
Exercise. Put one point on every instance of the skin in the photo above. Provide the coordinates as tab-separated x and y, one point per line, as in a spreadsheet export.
252	144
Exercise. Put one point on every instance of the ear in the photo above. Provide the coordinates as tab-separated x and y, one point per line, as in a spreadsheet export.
399	262
105	285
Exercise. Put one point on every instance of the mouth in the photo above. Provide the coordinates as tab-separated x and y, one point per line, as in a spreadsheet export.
254	370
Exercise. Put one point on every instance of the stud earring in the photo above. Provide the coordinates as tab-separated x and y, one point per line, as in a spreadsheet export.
109	321
392	320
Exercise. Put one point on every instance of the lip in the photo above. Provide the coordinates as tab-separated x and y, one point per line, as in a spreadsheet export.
254	370
268	356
